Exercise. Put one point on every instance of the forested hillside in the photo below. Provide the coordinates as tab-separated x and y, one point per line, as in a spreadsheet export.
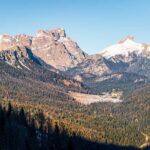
121	124
25	129
39	104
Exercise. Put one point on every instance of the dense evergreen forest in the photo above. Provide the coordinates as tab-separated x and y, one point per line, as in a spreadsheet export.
21	130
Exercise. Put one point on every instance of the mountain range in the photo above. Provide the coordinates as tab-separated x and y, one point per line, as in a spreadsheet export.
125	65
50	72
53	46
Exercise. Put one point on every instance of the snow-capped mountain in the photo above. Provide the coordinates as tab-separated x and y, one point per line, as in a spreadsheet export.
125	47
125	64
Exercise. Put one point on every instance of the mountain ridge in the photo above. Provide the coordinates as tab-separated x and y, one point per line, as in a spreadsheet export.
53	46
56	52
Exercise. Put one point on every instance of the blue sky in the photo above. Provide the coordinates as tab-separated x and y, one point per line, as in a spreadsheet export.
94	24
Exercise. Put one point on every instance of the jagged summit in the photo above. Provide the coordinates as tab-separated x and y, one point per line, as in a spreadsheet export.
57	49
52	46
59	32
8	41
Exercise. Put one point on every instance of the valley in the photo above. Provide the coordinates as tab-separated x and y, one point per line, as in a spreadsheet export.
102	98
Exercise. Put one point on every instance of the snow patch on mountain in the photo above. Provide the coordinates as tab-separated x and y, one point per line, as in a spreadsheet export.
124	47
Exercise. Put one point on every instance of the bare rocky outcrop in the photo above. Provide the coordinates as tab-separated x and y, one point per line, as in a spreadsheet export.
52	46
56	49
93	65
8	41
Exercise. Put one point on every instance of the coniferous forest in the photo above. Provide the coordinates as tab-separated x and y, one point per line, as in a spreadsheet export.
37	113
20	130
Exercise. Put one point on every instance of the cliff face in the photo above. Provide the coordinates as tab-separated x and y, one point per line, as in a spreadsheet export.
53	46
56	49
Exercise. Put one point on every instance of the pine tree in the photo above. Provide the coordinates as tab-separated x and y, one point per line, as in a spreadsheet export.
9	110
70	144
22	117
56	130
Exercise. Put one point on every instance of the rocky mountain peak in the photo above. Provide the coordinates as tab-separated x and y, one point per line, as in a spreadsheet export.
23	40
6	41
129	38
125	48
56	49
56	34
52	46
59	31
9	42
